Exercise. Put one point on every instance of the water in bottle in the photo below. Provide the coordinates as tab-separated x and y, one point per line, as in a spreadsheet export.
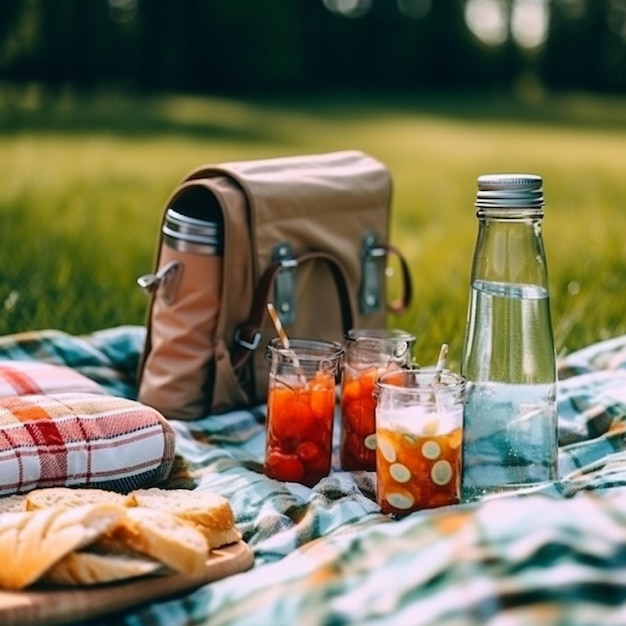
510	421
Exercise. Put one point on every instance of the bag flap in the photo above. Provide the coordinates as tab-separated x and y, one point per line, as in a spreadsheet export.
339	194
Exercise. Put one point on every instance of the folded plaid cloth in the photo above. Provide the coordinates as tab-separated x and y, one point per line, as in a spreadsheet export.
58	427
30	377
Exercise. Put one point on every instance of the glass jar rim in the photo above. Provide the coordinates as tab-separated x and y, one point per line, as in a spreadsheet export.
309	349
421	380
379	334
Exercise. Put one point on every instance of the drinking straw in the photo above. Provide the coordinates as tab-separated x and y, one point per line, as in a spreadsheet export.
284	340
280	331
436	382
441	363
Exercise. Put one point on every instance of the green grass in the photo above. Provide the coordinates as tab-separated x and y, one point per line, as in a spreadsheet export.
83	182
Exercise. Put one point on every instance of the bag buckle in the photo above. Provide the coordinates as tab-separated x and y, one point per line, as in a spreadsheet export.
253	344
372	271
285	282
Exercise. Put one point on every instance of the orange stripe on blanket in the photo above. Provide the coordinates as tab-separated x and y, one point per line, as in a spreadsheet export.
44	434
20	381
25	411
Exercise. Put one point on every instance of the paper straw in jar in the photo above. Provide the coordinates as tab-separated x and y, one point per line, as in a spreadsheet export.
284	340
441	363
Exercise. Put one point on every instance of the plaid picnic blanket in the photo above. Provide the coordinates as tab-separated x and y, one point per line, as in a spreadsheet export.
326	555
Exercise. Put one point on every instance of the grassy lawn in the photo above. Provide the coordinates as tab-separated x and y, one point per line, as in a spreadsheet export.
83	182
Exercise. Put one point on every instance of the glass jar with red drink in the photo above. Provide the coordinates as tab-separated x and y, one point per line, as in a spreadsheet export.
301	409
369	354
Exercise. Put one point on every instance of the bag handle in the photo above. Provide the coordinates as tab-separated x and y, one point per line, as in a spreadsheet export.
404	300
248	335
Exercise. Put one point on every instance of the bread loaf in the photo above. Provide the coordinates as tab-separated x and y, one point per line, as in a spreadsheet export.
32	541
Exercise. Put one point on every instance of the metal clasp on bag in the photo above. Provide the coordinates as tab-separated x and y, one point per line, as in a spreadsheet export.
249	345
372	272
168	276
285	282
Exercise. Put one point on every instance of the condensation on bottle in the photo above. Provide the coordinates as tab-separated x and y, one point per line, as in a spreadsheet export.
509	361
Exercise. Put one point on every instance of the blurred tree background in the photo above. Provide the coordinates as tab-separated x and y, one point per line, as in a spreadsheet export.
291	46
106	104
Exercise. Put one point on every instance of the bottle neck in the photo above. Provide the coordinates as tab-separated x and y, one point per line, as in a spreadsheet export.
509	247
510	214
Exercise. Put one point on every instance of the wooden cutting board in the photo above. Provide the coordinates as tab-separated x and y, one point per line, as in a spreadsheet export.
36	607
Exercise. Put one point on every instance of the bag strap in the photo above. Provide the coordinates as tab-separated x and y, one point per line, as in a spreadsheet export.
248	335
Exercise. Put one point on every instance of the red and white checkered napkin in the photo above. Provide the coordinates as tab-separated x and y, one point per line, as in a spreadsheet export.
59	428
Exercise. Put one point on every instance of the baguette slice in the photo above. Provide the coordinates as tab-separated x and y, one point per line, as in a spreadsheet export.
91	568
160	536
209	512
71	497
32	541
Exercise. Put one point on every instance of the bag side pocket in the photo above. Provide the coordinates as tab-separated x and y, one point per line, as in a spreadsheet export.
178	371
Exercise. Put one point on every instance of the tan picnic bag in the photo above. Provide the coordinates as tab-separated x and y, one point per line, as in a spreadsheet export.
308	233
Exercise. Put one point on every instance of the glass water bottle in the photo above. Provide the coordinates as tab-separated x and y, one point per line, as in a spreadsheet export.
510	417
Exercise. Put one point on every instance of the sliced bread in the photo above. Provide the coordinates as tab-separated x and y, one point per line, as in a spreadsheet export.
71	497
209	512
160	536
91	568
16	502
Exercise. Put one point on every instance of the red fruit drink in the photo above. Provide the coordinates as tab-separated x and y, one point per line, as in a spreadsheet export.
300	428
358	420
301	410
369	354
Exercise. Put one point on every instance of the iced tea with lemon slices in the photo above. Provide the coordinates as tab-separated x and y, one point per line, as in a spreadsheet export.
417	471
418	440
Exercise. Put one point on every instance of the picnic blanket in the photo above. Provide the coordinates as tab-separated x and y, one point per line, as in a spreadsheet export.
326	555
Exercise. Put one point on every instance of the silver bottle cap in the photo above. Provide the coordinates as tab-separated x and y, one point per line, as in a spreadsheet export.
509	190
